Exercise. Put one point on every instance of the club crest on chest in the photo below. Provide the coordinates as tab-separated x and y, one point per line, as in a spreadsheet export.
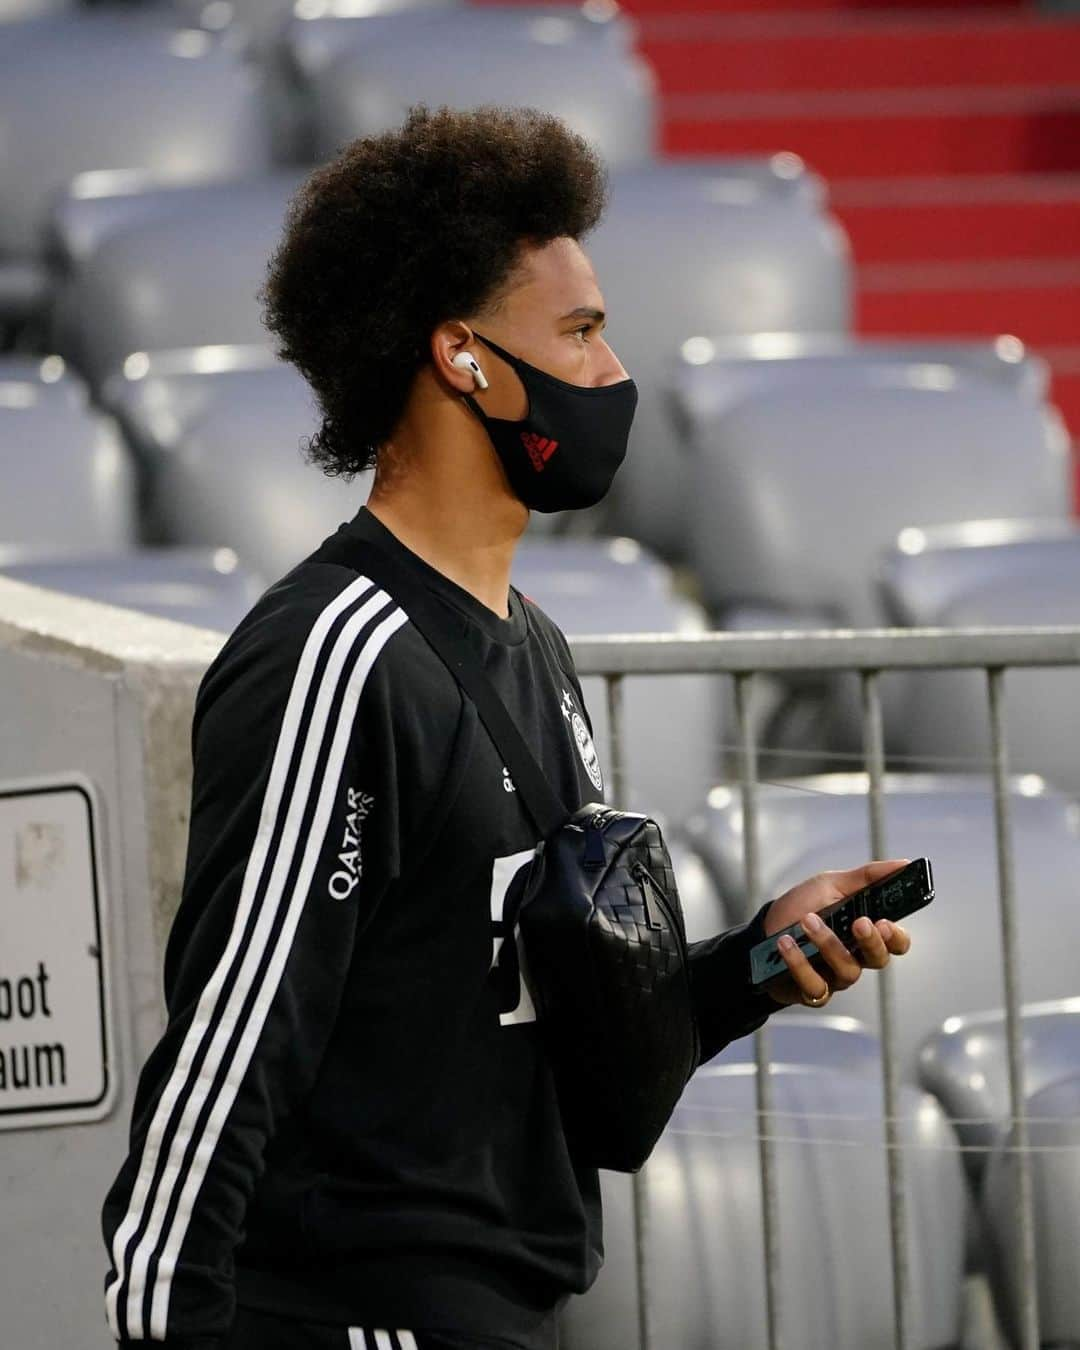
582	740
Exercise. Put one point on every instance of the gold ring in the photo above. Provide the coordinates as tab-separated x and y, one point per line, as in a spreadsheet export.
818	1002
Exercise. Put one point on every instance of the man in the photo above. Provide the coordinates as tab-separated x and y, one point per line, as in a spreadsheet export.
348	1134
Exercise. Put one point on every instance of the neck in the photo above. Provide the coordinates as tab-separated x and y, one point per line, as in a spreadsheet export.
443	495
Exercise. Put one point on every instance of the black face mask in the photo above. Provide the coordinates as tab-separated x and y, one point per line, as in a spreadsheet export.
563	455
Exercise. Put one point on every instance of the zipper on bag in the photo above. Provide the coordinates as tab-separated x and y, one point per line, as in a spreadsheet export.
647	882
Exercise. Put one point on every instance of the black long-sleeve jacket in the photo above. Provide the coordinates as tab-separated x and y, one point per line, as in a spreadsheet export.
350	1115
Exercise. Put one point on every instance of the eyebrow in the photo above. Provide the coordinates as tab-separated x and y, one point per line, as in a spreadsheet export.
585	312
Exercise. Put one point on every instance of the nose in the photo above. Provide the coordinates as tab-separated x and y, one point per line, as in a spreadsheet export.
610	370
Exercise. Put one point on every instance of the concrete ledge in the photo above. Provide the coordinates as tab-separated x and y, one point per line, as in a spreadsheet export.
106	693
155	666
95	636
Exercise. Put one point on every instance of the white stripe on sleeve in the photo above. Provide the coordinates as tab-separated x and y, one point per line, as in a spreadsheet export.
313	842
206	1011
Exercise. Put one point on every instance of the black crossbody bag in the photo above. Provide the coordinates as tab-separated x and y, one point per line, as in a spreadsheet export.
602	927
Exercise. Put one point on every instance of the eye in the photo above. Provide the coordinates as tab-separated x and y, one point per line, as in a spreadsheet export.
583	331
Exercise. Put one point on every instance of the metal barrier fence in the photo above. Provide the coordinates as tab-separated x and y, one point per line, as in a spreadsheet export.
868	653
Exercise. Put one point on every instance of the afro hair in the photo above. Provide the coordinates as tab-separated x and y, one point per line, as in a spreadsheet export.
403	231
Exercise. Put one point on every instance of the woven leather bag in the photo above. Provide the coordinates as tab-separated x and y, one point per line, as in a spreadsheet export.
602	926
606	944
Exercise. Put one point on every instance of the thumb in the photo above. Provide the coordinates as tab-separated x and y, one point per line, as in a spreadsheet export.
858	877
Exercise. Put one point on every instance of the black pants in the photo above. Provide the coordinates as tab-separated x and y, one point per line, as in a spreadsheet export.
253	1330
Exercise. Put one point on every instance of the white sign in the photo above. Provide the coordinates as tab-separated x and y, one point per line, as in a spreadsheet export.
54	1024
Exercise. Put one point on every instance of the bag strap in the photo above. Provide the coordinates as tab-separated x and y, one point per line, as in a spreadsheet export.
543	804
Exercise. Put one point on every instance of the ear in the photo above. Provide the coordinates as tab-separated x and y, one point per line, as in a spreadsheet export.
448	340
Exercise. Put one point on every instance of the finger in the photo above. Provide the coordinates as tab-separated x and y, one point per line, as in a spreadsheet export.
897	939
872	951
806	978
844	965
859	877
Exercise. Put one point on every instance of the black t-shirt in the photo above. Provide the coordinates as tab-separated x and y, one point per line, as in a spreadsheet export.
350	1116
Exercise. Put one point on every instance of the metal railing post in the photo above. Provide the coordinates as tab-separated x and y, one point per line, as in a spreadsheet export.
874	748
1023	1197
617	777
770	1200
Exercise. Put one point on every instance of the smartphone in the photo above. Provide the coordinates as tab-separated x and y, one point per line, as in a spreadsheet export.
894	898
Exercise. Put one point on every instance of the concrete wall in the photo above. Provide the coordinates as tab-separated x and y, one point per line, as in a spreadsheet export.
107	693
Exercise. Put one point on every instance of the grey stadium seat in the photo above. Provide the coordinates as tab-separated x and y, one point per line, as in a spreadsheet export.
260	28
802	468
992	573
68	476
69	86
167	269
218	431
14	10
720	246
105	202
555	59
292	42
705	1233
955	966
1054	1135
257	21
205	587
262	22
930	568
320	31
671	724
820	1040
575	569
965	1065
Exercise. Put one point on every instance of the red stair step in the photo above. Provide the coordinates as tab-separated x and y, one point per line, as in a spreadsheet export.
964	218
706	53
668	7
1038	301
845	6
694	8
896	132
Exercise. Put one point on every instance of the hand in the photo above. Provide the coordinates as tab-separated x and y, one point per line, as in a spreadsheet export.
840	968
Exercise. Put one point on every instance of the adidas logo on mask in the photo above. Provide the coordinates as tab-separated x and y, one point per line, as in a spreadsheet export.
540	449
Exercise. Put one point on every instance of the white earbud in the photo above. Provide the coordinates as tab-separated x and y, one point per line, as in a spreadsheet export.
466	361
